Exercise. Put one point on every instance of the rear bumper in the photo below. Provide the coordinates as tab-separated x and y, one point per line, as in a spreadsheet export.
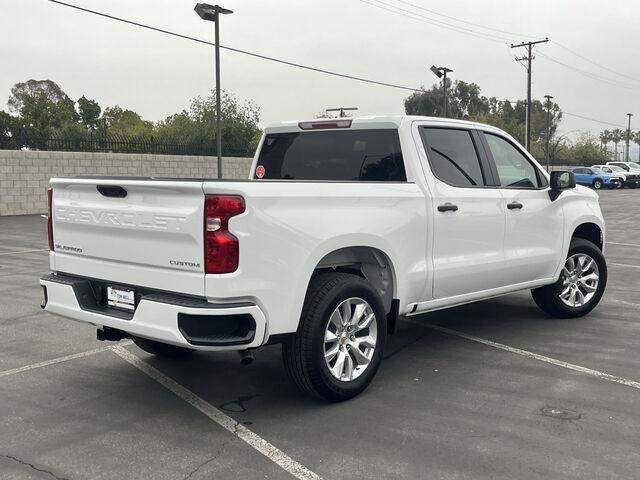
177	320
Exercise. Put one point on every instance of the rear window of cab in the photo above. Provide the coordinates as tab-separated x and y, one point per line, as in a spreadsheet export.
348	155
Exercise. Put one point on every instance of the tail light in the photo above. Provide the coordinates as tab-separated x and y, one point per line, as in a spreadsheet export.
50	218
221	248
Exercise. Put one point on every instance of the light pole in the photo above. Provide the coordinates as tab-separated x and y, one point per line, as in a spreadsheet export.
548	97
626	155
441	72
212	13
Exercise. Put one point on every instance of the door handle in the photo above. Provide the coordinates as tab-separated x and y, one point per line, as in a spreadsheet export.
448	207
514	206
115	191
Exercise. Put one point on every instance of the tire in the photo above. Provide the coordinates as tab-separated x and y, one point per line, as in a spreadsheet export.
161	349
304	353
597	184
548	297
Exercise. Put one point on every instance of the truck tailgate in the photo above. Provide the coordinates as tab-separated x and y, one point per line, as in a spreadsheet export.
134	231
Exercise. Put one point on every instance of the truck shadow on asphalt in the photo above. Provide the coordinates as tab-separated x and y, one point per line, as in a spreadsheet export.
220	379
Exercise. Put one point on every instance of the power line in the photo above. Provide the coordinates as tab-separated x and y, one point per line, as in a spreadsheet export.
285	62
438	23
244	52
587	73
593	119
564	47
499	39
466	21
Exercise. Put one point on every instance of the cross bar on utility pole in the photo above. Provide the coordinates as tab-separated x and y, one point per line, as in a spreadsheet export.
529	57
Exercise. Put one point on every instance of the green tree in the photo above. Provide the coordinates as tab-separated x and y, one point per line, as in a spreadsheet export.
43	109
636	140
22	91
6	125
605	138
127	123
616	136
240	131
89	111
465	101
586	151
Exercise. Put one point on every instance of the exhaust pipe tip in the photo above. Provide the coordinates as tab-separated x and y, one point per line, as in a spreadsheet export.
246	357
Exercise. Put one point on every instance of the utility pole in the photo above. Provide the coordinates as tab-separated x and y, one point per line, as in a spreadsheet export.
441	72
341	110
548	97
528	59
627	152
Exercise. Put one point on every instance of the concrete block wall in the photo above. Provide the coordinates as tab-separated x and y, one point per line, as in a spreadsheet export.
24	175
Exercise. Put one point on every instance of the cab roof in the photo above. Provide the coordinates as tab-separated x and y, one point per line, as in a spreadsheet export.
373	121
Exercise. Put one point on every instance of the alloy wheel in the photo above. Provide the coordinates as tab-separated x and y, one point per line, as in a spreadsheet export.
350	339
580	278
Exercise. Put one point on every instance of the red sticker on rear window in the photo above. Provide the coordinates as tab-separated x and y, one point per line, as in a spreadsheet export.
260	171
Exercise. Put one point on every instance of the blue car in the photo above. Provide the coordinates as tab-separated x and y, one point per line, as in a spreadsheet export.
596	179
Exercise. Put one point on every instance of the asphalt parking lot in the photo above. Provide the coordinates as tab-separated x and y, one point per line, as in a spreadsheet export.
504	393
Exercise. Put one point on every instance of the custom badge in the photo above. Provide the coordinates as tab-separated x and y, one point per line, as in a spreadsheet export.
260	171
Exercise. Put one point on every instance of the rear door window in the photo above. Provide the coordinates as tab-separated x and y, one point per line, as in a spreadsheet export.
350	155
453	156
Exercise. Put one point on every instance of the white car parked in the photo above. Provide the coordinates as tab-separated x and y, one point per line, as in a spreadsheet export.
631	170
342	226
612	170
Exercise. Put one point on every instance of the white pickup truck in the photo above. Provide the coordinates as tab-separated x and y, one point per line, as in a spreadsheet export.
342	226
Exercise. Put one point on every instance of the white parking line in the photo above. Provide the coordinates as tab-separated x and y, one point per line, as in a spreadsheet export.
66	358
24	251
536	356
621	302
243	433
624	244
624	265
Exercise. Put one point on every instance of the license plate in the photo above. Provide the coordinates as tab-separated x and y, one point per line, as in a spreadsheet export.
120	298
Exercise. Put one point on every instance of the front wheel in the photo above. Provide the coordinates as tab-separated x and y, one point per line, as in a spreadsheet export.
580	286
597	184
338	347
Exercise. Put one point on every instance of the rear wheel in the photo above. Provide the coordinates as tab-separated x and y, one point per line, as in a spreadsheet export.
597	184
161	349
338	347
581	283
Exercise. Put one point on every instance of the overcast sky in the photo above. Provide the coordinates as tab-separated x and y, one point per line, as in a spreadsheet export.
157	75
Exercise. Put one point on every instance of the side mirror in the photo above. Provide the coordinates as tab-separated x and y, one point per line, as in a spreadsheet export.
561	180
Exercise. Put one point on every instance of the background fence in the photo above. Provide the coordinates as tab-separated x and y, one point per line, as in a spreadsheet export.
96	142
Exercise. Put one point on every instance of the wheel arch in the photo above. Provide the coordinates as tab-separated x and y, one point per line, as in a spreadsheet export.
590	231
369	262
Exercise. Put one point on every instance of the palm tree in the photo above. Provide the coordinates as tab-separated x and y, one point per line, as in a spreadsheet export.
605	137
636	140
616	136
